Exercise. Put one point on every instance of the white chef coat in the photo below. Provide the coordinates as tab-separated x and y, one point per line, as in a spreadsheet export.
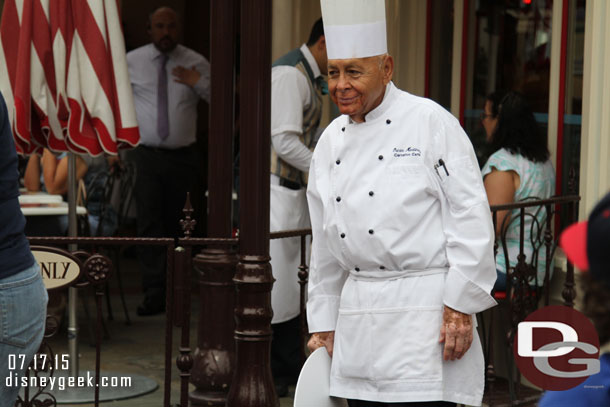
290	97
394	239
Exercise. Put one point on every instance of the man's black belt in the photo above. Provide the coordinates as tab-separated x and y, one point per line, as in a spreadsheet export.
290	184
178	150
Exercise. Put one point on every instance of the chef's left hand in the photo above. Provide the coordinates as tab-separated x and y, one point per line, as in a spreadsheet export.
186	76
320	339
456	333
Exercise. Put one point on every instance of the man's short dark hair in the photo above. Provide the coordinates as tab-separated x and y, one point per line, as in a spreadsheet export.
316	32
150	15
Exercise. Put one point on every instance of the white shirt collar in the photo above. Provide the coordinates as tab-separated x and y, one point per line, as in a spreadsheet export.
315	69
386	103
155	53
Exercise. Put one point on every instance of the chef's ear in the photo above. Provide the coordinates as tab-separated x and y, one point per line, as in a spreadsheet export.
387	68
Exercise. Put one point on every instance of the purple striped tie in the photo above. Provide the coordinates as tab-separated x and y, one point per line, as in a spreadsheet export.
162	116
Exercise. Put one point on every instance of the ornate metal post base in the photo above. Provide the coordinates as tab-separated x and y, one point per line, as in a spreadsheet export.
252	384
214	357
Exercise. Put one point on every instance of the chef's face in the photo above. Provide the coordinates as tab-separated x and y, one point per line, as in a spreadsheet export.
488	121
357	85
163	29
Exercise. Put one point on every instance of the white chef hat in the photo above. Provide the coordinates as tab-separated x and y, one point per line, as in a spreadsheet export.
354	28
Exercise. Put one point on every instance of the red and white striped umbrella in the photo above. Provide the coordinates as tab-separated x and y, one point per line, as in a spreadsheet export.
63	73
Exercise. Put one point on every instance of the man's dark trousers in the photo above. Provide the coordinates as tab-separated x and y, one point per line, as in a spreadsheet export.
163	178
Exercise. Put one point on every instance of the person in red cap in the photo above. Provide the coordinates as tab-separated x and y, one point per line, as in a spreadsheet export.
587	246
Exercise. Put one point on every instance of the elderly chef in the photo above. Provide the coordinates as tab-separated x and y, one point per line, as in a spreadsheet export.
402	254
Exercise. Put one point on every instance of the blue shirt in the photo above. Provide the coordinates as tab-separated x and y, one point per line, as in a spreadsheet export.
594	392
15	255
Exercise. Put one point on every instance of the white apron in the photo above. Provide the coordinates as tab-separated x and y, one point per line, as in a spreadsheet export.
288	212
395	239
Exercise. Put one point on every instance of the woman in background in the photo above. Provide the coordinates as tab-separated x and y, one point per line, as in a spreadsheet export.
49	173
518	168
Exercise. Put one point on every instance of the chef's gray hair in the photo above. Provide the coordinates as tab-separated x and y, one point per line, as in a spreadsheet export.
381	59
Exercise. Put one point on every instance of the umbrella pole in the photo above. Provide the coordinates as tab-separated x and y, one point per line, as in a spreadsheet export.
72	292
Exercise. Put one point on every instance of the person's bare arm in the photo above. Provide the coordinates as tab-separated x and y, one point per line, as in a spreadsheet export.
456	333
55	172
500	189
319	339
31	178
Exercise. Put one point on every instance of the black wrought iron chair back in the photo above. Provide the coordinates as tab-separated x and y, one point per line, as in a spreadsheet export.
126	177
536	251
100	191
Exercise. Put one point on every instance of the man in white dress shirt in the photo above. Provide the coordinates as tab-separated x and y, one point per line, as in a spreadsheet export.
402	254
168	81
297	87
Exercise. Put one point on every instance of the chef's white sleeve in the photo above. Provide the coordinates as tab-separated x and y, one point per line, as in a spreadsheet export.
326	276
467	221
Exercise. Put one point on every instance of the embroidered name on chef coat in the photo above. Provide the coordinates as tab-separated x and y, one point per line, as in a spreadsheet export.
406	152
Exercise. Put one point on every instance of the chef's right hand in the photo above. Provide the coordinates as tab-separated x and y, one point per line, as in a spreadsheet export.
319	339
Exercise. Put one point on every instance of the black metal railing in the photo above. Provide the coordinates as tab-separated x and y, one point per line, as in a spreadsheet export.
303	274
97	269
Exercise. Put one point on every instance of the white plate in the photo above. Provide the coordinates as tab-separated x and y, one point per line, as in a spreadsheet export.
313	387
